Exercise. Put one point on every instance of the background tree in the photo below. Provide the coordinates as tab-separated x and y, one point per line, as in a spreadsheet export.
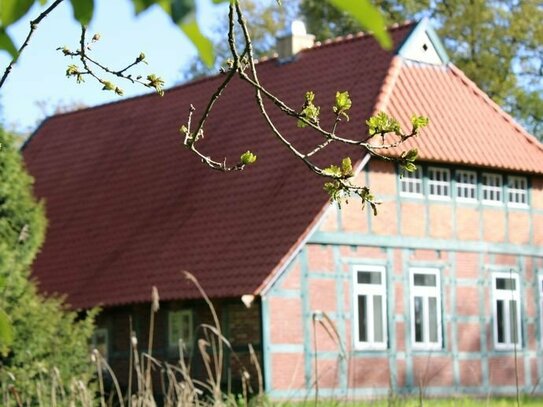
265	22
496	43
45	335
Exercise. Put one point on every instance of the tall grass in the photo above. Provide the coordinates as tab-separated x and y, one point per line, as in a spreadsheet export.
152	382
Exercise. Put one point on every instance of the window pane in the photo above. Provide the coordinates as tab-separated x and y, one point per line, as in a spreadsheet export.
418	320
513	321
500	322
432	315
505	284
425	280
363	321
369	277
378	318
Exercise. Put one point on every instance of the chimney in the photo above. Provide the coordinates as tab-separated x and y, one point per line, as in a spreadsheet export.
294	41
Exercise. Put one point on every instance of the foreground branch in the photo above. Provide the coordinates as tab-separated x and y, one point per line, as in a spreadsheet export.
384	132
33	26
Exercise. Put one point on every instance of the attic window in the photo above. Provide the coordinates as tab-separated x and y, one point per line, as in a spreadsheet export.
492	189
466	185
411	183
439	183
425	47
517	191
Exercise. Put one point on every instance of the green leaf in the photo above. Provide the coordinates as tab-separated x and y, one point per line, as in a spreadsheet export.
409	166
83	10
142	5
202	44
346	167
343	104
368	16
13	10
6	332
7	44
332	171
248	158
410	155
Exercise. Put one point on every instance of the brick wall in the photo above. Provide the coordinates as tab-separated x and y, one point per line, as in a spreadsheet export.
459	239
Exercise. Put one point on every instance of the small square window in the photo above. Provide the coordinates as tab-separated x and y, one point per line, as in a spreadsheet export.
439	183
466	186
517	191
492	189
180	328
411	183
99	341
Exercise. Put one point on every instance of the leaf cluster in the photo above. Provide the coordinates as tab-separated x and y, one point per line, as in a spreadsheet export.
41	333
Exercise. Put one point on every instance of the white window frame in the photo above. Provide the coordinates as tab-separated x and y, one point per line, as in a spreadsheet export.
540	297
520	192
178	316
426	292
369	290
94	341
415	179
506	296
462	185
493	185
439	184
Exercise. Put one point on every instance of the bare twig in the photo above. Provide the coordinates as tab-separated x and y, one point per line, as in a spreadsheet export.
33	26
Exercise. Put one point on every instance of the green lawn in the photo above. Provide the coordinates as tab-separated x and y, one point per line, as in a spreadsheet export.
414	402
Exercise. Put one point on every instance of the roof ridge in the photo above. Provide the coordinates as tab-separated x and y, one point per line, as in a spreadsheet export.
354	36
497	108
388	84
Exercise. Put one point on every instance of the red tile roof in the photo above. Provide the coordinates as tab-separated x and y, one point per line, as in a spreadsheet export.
130	208
466	126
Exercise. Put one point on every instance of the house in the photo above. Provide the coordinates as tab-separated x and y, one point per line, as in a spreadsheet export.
442	291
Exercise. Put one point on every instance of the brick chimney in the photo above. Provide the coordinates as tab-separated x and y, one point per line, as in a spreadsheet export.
294	41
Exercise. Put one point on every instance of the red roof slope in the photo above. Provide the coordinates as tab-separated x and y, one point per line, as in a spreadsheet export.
466	126
129	207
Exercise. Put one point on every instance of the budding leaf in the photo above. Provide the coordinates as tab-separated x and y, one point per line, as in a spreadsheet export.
333	171
108	86
247	158
309	110
156	82
343	104
419	122
346	167
409	166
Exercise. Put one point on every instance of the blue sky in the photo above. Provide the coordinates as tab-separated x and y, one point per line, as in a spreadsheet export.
39	75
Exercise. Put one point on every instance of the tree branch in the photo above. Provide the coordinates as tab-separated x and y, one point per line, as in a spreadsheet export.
33	26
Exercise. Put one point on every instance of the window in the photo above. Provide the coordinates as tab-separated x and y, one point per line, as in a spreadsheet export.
370	330
540	290
439	183
517	191
492	188
180	328
506	310
466	185
425	308
99	341
411	183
